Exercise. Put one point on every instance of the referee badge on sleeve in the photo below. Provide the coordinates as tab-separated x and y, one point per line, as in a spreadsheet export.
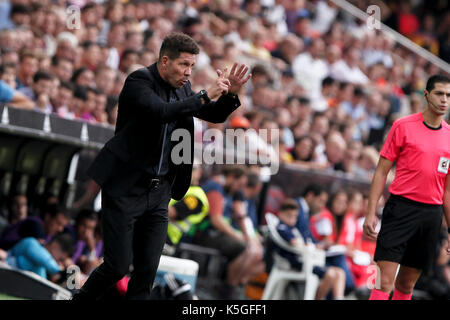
444	163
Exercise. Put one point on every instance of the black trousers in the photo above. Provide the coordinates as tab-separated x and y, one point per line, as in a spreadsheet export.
134	232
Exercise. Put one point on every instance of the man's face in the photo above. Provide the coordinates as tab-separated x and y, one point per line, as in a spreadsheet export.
86	228
317	202
55	225
19	208
57	253
9	76
439	98
29	66
100	102
105	80
177	72
64	97
43	86
289	217
64	70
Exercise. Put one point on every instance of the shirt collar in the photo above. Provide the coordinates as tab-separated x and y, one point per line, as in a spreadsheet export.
305	205
153	69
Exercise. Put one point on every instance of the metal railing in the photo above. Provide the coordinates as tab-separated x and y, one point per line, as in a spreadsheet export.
399	38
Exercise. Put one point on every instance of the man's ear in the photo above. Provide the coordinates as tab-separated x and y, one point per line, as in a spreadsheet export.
425	93
164	61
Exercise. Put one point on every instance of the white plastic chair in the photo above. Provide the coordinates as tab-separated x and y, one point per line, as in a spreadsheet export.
281	273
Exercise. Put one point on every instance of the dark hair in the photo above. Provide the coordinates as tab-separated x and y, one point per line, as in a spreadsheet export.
252	179
95	91
80	92
86	214
5	66
333	196
55	209
236	171
56	60
19	9
175	43
67	85
437	78
315	188
42	75
111	102
127	52
65	242
88	44
288	204
88	6
328	81
13	198
259	69
304	100
77	73
31	228
358	92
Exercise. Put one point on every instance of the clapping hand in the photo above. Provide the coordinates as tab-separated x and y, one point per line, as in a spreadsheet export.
237	77
220	86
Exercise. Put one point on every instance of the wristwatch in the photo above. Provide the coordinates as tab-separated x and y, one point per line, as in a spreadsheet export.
203	95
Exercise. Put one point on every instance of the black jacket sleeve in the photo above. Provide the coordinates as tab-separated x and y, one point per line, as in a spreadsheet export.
216	111
138	92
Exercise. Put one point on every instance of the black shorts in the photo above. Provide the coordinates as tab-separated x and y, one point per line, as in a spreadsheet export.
227	245
409	233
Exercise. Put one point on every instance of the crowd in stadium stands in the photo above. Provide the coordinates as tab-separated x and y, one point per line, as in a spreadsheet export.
331	85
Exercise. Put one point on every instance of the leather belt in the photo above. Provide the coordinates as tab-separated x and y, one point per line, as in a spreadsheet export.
150	182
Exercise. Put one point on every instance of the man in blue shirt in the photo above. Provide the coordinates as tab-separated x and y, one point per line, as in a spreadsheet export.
313	200
14	98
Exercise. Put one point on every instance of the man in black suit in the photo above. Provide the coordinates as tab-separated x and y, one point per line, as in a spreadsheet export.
135	169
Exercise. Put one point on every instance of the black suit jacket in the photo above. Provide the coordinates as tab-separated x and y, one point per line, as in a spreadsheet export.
136	146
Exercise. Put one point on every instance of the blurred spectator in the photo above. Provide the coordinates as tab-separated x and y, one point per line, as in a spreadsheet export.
45	260
88	250
312	201
28	66
54	220
303	30
326	227
242	250
310	68
416	103
351	236
251	194
105	78
403	19
351	157
332	278
14	98
66	46
17	212
91	55
326	99
111	110
78	103
63	101
83	77
8	74
426	37
129	57
348	69
289	47
367	163
40	91
62	68
335	147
